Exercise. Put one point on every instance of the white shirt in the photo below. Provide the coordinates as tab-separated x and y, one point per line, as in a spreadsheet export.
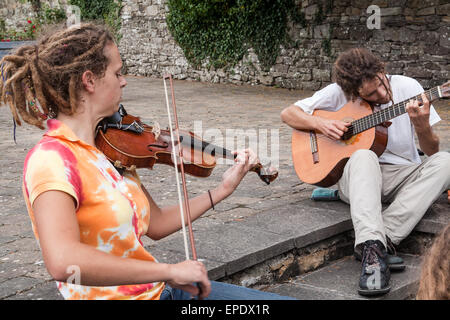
401	147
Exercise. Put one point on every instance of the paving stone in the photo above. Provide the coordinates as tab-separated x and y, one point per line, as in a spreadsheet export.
14	286
45	291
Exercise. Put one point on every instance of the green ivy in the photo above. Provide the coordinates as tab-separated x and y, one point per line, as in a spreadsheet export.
106	10
222	31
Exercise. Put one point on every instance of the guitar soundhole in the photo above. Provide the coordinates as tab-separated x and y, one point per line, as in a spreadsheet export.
351	140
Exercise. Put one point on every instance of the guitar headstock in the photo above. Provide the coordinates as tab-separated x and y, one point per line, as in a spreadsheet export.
444	90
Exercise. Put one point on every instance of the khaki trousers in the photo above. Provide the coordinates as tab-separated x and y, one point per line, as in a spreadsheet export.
410	190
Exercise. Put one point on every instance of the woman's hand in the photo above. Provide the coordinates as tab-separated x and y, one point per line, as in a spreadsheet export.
244	161
186	274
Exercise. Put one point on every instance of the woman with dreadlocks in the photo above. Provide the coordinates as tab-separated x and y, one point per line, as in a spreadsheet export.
398	176
435	276
86	216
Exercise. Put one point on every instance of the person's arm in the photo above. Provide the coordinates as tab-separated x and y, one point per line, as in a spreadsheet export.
296	118
59	237
166	220
420	118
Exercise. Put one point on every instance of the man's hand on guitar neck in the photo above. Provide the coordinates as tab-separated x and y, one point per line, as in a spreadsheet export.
333	129
419	113
420	118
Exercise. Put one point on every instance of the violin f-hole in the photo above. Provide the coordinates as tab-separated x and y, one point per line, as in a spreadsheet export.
164	145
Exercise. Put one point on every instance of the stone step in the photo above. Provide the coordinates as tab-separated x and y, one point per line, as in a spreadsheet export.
232	247
339	281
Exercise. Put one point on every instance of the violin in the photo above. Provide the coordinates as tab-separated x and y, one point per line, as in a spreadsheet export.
129	144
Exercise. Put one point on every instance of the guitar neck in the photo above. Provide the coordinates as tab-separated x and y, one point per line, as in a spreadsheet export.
390	112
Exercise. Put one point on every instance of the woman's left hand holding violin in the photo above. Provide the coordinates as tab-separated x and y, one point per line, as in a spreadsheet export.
166	220
244	161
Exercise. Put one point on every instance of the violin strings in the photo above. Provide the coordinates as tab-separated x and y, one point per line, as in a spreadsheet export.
186	249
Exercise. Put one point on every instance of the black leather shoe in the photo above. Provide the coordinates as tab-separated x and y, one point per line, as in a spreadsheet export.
394	262
375	274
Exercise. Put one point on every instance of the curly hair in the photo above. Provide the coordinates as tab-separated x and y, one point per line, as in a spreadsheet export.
44	79
435	276
355	66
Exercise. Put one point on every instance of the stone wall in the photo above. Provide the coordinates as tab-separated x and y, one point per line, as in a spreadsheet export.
413	39
15	13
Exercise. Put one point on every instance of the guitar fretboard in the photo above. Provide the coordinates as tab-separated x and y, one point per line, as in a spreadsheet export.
388	113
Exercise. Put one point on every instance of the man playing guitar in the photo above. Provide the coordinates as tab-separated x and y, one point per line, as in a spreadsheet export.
398	176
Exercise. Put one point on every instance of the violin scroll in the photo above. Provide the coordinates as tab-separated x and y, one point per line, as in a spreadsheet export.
266	175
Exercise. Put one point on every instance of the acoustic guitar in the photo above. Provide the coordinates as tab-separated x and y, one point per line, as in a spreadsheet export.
320	161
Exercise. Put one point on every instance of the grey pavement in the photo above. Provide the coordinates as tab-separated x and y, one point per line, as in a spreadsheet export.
256	223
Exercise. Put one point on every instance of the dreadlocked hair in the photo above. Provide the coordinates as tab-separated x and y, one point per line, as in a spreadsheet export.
353	67
435	277
39	81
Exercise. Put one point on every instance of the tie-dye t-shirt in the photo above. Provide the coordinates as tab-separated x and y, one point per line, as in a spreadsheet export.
113	212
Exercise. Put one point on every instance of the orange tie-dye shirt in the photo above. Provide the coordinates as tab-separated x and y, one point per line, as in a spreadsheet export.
113	212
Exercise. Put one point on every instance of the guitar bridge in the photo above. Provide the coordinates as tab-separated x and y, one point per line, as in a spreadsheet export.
313	142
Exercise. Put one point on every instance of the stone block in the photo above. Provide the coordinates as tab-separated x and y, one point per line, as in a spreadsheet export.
321	31
395	11
266	80
426	11
281	68
417	72
430	37
444	38
152	10
302	76
310	10
443	9
322	75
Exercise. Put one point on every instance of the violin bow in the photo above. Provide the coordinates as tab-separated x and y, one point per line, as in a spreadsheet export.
183	180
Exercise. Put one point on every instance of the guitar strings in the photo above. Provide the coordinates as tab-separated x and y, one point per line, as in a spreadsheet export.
372	120
367	122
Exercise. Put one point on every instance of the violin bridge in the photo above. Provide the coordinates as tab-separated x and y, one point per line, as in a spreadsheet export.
156	130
